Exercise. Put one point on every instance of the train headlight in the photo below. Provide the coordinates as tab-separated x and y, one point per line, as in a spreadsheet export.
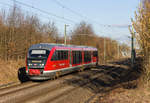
29	64
41	64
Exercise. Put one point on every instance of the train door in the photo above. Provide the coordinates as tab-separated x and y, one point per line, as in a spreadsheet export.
95	56
70	57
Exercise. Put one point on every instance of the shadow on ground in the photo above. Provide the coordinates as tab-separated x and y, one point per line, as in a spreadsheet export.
105	78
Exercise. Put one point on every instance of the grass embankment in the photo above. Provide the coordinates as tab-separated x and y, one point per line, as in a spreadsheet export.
130	89
122	95
9	70
133	91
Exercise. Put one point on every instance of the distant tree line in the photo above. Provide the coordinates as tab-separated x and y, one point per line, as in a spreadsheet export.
18	31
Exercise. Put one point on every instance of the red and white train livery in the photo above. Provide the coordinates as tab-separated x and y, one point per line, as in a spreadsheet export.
45	61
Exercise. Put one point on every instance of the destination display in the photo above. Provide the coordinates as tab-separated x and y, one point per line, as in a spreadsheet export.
38	52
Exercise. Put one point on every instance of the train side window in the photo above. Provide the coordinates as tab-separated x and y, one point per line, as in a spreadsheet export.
60	55
65	55
95	54
80	57
87	56
55	56
77	57
74	56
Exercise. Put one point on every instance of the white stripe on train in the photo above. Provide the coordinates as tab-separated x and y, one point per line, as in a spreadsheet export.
68	68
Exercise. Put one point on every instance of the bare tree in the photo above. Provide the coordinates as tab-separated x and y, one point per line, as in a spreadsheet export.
18	31
141	24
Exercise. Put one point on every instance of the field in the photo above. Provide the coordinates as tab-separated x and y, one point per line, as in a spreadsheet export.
9	69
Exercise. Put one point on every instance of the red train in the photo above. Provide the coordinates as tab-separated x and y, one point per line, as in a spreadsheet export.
45	61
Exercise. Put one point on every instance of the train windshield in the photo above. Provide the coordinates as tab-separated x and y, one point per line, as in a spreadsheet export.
39	53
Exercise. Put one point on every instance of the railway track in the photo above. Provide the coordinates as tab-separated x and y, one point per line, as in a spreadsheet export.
79	87
8	84
88	86
51	91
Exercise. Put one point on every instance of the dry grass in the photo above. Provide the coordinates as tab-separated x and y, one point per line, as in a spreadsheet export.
121	95
9	69
136	91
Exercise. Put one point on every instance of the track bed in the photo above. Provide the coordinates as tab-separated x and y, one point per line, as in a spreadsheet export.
80	87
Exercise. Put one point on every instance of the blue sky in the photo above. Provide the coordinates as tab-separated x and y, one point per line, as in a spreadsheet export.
96	12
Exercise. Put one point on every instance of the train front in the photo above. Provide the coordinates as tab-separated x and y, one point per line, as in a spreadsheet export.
36	61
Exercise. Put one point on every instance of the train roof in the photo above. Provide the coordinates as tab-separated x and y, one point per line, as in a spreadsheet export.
49	46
